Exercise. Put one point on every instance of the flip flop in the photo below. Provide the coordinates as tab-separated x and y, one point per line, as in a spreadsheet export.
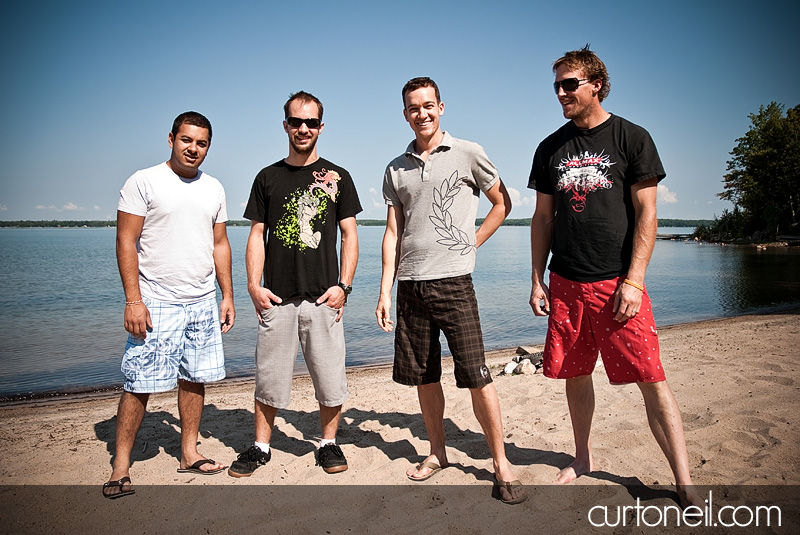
119	483
509	485
435	469
195	468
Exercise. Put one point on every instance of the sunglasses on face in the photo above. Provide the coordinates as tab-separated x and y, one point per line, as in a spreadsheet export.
569	84
296	122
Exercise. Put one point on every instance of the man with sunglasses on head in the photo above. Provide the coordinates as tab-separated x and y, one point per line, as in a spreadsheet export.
295	208
429	245
596	180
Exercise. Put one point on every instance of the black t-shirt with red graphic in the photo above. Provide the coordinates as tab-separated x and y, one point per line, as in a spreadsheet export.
590	174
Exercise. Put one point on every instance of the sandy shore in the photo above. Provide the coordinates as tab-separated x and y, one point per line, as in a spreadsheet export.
736	380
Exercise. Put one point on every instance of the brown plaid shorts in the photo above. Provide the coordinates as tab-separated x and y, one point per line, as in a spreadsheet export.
424	310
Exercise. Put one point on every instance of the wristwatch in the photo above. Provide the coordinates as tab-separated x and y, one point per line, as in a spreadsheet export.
346	287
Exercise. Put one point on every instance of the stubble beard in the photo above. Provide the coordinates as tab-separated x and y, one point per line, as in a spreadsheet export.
307	149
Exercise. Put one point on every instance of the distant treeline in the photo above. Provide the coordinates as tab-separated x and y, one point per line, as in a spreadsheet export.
56	224
363	222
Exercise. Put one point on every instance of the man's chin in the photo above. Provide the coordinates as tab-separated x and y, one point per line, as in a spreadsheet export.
305	149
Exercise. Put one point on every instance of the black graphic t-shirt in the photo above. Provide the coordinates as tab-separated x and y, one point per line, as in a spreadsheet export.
301	208
590	174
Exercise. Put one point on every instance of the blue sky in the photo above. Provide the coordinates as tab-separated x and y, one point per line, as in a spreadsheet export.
91	88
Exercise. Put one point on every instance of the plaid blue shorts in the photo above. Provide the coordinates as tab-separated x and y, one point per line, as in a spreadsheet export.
185	343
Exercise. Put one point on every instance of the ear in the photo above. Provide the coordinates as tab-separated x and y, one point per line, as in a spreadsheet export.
597	85
321	127
285	127
171	139
405	115
441	108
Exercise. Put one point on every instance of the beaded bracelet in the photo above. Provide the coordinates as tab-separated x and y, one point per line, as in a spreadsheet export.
130	303
634	284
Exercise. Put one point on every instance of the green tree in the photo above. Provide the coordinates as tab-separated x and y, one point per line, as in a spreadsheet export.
763	179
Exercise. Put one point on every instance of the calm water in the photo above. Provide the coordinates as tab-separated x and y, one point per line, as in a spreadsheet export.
60	300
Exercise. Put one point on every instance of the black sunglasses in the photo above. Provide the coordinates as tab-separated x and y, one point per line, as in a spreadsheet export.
296	122
569	84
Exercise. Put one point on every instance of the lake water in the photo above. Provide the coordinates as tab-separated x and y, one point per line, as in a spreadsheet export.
61	300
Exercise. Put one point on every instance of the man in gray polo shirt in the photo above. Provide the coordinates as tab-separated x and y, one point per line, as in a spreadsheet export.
429	246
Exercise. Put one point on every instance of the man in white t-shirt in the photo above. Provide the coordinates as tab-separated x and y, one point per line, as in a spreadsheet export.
171	246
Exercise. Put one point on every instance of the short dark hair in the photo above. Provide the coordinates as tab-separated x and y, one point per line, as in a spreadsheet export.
305	97
589	64
193	118
418	83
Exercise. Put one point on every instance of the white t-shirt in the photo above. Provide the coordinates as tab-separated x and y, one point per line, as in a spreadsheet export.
176	262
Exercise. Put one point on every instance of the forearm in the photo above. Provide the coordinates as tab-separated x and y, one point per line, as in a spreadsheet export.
128	263
644	238
645	227
541	242
501	207
490	224
390	255
254	261
222	264
349	253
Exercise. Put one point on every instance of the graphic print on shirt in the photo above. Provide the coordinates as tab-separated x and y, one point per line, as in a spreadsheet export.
452	237
303	208
583	174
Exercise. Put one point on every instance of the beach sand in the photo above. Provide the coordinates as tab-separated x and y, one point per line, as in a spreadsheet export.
736	381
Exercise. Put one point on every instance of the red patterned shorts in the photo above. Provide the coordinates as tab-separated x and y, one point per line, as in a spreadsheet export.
582	323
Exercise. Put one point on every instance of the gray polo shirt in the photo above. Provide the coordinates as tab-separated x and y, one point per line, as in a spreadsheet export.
439	199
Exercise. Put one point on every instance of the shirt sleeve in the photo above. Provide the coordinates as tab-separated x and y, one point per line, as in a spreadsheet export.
539	178
134	197
256	209
483	170
643	159
222	214
389	193
348	204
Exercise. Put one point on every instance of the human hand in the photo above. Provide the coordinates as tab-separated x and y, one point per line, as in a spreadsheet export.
334	297
540	299
227	314
263	299
383	312
627	302
137	320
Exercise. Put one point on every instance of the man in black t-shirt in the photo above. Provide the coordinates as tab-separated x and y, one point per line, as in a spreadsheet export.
596	180
295	208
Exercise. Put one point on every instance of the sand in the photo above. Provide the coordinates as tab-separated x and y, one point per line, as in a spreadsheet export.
736	381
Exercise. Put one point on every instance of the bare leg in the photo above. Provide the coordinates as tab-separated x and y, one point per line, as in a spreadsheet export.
130	413
580	398
329	420
191	397
666	424
431	402
265	420
486	406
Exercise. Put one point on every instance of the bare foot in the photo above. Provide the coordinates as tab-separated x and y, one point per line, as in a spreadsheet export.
688	496
426	468
573	472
